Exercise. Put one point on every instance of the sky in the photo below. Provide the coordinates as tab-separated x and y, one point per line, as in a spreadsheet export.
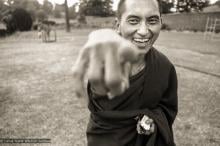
71	2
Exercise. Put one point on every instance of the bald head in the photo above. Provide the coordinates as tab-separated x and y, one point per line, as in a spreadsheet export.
121	7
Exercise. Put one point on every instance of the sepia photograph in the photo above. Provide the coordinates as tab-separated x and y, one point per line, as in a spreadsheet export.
109	72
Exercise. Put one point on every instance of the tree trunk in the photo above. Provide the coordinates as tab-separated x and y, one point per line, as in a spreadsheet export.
67	17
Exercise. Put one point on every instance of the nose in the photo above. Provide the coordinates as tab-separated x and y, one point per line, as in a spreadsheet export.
143	30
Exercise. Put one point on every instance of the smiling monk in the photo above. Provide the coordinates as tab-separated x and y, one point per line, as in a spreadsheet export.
132	87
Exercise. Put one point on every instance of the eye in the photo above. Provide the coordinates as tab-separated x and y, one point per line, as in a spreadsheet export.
133	21
153	21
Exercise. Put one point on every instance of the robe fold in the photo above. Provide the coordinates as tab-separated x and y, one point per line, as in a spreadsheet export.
152	92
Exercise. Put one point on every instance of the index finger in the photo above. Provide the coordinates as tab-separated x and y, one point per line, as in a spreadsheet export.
79	71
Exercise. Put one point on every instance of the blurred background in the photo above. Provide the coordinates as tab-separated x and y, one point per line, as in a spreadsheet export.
39	43
178	14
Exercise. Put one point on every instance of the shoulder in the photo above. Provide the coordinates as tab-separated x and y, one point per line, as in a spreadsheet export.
162	69
159	59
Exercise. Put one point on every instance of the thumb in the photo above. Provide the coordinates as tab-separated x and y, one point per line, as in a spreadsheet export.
79	70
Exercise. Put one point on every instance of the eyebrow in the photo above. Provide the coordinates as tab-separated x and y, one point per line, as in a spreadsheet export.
154	16
135	16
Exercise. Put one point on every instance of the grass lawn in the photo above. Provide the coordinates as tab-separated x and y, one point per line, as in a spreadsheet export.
37	99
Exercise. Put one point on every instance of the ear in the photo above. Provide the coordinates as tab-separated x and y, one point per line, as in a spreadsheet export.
117	25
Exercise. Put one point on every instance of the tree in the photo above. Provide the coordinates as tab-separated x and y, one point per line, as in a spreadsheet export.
3	8
18	19
72	12
99	8
217	3
82	11
58	10
41	15
67	16
47	7
31	6
191	5
57	13
9	22
166	6
17	3
23	19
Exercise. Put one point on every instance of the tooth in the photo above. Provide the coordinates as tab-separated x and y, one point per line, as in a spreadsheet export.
141	40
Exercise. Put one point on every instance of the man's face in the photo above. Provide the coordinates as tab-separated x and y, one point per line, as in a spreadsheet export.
140	22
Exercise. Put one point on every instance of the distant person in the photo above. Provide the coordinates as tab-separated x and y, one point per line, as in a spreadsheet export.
44	30
132	86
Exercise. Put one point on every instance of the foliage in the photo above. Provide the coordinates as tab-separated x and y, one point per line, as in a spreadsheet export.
3	33
166	6
18	19
47	7
41	15
2	7
58	9
57	13
22	19
24	4
99	8
72	12
165	27
96	7
82	11
217	3
31	6
191	5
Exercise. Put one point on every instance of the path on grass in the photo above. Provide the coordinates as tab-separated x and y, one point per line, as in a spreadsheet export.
190	51
204	63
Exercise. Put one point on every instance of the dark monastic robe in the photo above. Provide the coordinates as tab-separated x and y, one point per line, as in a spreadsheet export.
152	92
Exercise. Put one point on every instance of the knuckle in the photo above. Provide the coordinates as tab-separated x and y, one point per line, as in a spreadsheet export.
92	45
95	74
113	83
76	73
94	79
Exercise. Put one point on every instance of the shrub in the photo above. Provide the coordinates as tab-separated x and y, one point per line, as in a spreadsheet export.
22	19
3	33
19	19
165	27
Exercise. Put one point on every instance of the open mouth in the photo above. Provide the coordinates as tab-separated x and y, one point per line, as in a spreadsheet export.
141	42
